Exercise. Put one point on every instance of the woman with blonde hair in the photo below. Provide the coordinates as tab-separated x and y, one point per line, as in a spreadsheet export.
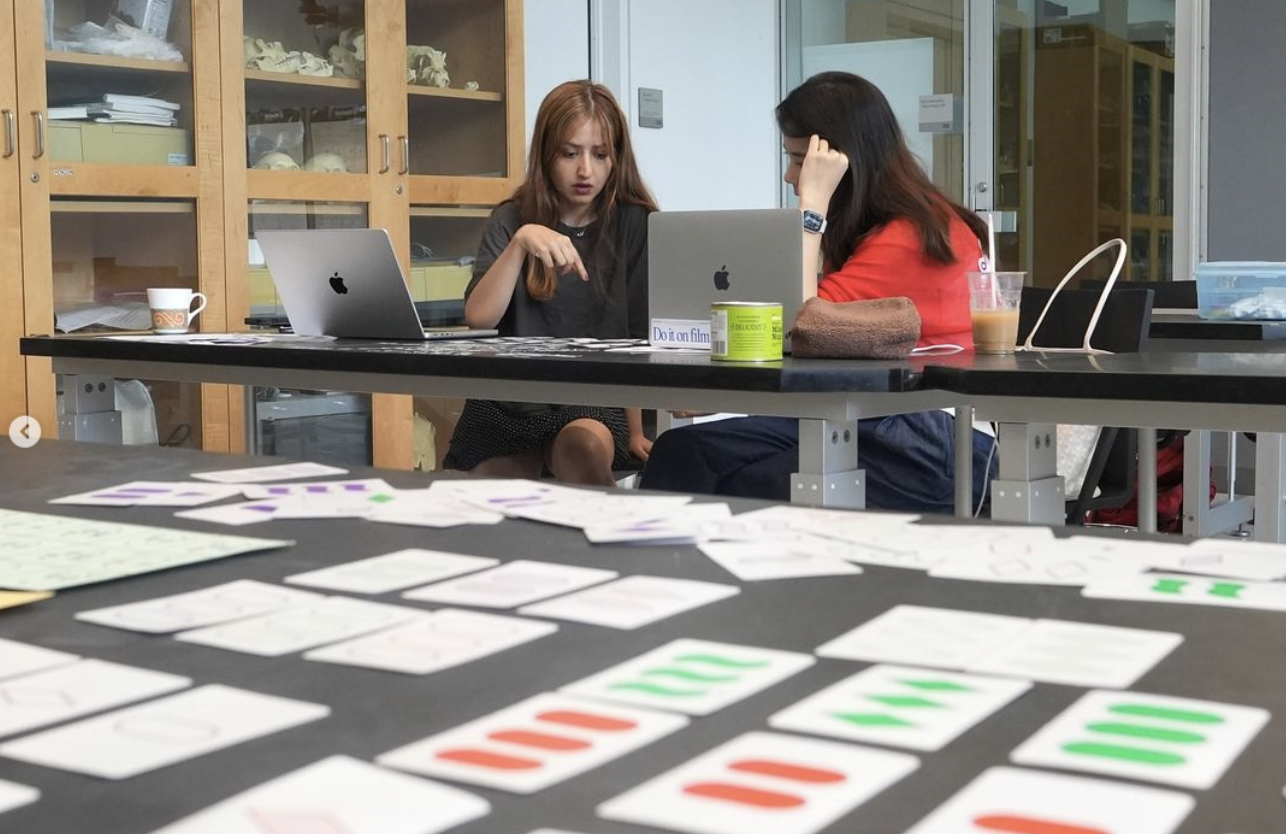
566	255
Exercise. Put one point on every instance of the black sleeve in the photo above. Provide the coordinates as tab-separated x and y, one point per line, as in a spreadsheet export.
500	229
636	273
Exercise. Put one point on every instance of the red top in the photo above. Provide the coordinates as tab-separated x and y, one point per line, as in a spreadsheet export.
890	262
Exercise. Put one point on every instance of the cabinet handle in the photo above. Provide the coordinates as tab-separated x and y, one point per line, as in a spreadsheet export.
406	154
386	152
9	134
40	134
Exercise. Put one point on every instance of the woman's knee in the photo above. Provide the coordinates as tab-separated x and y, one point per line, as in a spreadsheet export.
583	451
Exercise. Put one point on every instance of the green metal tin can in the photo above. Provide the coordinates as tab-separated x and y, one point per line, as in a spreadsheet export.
745	331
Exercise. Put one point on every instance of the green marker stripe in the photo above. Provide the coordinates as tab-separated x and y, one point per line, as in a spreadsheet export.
936	686
905	701
1226	589
1149	711
872	719
1170	586
716	660
657	689
689	675
1138	755
1152	733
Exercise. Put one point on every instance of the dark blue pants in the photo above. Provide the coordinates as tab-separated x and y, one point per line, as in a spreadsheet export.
907	458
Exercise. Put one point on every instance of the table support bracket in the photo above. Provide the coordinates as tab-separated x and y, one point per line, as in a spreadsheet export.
828	473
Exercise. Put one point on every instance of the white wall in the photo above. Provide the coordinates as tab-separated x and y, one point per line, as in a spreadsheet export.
716	62
556	49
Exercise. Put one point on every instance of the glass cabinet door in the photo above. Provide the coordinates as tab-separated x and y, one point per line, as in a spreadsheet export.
464	119
117	103
119	82
305	87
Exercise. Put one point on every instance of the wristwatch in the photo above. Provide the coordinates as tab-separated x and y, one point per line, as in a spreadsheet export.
814	222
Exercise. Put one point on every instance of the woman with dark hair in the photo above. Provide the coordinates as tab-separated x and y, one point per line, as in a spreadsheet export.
874	226
566	255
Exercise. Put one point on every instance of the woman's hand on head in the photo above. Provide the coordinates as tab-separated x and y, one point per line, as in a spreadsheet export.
553	249
820	174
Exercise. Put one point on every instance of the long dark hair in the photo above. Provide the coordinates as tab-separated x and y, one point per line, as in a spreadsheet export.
559	116
884	181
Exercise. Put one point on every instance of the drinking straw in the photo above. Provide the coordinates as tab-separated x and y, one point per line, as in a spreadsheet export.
991	259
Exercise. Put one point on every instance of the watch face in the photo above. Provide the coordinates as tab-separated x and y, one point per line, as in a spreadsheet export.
814	222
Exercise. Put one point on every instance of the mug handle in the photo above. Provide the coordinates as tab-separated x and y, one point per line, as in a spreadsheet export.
193	313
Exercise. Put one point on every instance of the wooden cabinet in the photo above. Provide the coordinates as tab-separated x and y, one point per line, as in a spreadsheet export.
402	114
111	208
1102	136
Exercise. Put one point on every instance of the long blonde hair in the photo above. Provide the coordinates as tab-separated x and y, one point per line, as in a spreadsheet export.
561	113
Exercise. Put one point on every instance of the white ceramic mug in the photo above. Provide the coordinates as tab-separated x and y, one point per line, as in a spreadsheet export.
172	308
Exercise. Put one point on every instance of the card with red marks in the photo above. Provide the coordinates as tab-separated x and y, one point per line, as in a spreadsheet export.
533	744
1006	800
762	782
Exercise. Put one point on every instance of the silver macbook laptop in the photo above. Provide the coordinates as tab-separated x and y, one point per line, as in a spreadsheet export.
696	258
347	283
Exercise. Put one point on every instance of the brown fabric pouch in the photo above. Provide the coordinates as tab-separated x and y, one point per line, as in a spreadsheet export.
881	328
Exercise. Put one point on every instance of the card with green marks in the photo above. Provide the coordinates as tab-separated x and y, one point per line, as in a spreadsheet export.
901	706
696	677
1192	590
1155	738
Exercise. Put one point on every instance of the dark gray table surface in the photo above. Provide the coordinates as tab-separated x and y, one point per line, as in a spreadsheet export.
1230	656
503	359
1166	373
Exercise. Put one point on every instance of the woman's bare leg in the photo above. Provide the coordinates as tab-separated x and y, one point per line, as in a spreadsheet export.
526	464
582	453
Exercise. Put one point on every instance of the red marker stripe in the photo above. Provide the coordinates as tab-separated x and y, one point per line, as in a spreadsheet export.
782	770
484	758
743	795
544	741
1029	825
586	720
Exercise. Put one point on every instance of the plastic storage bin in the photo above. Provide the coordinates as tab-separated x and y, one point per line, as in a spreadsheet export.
1241	290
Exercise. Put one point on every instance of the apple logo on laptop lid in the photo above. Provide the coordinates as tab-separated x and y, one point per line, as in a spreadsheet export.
721	281
337	284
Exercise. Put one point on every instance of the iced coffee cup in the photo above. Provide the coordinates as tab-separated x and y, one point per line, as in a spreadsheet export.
993	305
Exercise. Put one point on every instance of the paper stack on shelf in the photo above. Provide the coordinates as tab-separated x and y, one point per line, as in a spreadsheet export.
118	107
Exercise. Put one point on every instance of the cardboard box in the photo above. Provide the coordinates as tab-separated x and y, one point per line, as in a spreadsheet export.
263	292
439	282
118	144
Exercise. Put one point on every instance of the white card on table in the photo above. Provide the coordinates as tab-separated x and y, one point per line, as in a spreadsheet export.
754	561
632	602
1079	654
1007	799
217	604
337	795
919	636
434	641
1237	559
301	626
900	706
762	782
268	474
77	689
22	658
1051	564
235	515
533	744
680	525
512	584
696	677
1186	589
431	508
13	795
392	571
357	488
152	494
141	738
1153	738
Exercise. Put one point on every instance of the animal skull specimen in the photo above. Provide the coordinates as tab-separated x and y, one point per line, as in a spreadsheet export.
277	161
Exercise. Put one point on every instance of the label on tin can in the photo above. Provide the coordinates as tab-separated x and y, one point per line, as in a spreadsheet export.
744	331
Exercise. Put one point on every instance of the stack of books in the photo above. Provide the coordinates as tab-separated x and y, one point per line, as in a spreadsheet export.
121	108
